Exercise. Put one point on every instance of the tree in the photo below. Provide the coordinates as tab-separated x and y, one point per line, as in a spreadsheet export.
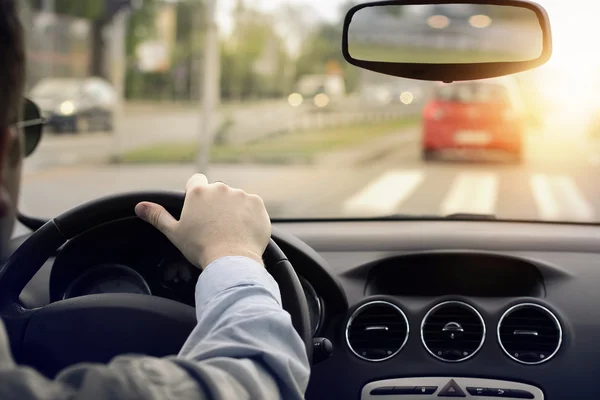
188	54
141	27
324	48
76	8
295	24
252	40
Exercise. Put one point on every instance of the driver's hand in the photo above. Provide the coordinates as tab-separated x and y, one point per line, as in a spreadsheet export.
216	221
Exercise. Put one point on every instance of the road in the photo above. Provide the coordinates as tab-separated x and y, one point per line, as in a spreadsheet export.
150	125
154	125
556	181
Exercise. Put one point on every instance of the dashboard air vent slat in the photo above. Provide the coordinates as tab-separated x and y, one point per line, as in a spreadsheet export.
529	333
377	331
453	331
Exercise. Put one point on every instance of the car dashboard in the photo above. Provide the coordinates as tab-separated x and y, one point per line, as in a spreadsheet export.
413	309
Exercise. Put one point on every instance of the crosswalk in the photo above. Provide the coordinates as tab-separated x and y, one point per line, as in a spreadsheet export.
551	197
385	193
473	191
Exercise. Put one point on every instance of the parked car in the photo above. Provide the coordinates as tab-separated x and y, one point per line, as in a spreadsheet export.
318	92
485	114
76	105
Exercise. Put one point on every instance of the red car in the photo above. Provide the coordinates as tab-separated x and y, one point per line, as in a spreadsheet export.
474	115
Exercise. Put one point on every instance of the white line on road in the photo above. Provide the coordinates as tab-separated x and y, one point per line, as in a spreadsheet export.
385	194
472	192
580	208
559	198
548	208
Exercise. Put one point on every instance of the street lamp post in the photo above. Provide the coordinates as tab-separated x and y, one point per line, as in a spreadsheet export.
49	8
210	87
118	57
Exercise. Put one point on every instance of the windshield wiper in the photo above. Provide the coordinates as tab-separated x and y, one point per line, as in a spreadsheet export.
457	216
470	216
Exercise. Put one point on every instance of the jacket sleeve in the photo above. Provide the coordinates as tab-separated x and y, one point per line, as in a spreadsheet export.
243	347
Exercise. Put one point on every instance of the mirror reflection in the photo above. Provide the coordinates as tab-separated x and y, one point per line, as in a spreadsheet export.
445	33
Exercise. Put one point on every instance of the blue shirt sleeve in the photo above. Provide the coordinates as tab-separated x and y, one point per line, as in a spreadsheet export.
240	316
243	347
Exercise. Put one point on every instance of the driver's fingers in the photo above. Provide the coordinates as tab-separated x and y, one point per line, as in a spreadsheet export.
157	216
196	180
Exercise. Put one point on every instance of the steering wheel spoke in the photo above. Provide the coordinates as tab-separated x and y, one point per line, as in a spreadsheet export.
16	319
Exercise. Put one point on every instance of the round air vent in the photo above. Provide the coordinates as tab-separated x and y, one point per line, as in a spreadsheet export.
529	333
453	331
377	331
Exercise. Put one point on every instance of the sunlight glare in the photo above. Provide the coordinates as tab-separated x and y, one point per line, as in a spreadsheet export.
569	82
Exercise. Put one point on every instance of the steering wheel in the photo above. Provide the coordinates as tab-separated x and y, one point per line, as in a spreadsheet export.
96	328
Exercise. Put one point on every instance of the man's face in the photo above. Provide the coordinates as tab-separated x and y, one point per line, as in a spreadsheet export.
11	158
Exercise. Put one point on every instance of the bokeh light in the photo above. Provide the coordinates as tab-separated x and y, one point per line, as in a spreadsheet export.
406	97
295	99
321	100
438	21
480	21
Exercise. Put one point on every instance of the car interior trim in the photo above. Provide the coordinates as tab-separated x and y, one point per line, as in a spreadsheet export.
435	387
552	316
364	307
459	303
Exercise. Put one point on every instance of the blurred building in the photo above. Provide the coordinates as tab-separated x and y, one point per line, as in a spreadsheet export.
155	55
57	45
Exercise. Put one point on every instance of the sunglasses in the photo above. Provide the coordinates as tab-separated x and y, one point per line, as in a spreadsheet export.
31	126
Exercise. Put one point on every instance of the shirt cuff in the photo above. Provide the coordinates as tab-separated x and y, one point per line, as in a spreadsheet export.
230	272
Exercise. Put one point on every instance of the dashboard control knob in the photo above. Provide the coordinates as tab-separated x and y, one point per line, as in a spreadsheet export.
322	349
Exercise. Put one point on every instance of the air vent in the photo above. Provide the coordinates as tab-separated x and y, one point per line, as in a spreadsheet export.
529	333
453	331
377	331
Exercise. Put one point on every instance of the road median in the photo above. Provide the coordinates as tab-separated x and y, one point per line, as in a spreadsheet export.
144	107
304	147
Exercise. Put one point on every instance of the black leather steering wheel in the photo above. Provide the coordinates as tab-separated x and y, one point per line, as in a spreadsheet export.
97	328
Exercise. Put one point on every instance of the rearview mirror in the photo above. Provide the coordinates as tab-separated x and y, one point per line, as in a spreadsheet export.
447	40
32	125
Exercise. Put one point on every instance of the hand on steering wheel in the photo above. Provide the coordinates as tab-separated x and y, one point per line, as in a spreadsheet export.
216	221
97	328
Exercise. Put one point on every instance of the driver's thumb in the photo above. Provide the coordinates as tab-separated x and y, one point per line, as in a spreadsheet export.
157	216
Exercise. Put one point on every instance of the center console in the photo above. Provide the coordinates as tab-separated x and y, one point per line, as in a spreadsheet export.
448	387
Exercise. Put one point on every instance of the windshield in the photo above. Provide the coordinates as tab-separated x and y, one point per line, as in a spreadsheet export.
276	110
